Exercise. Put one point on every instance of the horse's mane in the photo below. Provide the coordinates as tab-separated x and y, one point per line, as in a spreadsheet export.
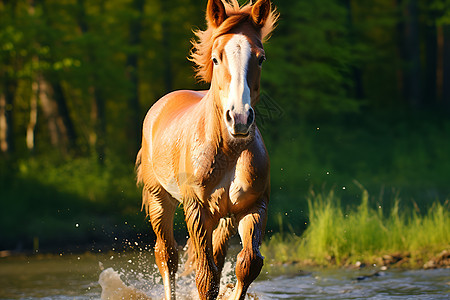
202	47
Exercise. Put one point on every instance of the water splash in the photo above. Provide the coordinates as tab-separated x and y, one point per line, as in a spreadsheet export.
113	288
140	279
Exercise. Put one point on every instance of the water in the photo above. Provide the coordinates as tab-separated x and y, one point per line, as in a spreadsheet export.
77	277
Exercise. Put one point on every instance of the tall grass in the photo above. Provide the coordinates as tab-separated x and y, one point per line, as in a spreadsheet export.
362	233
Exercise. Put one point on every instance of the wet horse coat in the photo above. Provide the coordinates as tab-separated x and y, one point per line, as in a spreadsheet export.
203	149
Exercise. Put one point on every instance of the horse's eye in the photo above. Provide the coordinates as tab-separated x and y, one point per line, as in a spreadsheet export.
215	61
261	60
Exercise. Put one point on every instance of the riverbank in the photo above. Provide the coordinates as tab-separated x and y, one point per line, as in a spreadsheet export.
369	234
387	261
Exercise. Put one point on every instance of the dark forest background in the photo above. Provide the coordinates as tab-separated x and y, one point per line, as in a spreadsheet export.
352	90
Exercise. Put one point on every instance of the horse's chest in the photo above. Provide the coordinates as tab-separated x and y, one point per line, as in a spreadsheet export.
242	185
241	189
230	194
229	183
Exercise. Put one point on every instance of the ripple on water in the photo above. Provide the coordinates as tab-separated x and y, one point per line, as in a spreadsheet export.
340	284
77	277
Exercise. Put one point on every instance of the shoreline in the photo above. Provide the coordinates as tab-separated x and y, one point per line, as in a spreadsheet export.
397	260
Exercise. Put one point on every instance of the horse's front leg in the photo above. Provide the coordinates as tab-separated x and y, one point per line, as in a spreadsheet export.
161	209
250	261
200	225
221	235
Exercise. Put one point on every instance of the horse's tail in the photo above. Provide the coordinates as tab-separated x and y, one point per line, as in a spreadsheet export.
138	168
140	182
224	230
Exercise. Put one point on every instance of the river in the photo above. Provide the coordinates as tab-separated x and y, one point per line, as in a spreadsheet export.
72	276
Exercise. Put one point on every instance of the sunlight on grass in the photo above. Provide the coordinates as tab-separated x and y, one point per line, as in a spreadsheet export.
335	235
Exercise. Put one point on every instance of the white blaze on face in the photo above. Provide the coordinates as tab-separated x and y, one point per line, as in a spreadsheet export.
238	52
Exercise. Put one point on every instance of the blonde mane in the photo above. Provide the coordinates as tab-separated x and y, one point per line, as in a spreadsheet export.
202	46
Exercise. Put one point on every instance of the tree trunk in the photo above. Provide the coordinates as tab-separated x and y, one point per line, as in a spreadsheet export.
30	138
446	67
50	111
66	124
166	46
31	127
412	54
3	124
98	125
431	63
358	90
134	121
400	29
57	122
7	95
440	64
6	115
53	101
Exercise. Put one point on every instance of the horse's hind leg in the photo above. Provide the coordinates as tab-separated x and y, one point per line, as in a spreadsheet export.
250	261
161	209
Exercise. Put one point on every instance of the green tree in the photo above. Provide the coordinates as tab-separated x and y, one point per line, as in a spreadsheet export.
309	67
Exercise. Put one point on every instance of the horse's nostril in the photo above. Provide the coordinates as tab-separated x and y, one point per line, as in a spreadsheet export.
228	116
251	116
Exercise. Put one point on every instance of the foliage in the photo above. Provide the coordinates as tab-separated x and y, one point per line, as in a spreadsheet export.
379	150
46	199
336	104
312	47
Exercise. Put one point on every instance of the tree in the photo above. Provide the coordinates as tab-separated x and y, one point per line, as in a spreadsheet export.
412	85
132	66
9	40
309	59
431	51
446	66
441	9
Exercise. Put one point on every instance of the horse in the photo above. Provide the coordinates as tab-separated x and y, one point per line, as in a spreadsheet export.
202	149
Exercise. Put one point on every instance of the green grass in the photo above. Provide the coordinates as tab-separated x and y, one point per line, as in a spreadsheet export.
344	236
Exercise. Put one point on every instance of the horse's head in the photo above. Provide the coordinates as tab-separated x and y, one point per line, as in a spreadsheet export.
233	57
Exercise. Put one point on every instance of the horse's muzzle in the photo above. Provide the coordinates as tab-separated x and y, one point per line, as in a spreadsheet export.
238	124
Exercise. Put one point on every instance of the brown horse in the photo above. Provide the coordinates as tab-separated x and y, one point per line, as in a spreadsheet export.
204	150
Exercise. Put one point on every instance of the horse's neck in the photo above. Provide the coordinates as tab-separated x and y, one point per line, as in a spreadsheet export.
212	121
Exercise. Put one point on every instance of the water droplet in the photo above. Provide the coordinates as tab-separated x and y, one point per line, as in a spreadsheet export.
77	225
343	187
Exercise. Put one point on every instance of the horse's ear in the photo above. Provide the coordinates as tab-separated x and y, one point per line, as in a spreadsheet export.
215	12
260	12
